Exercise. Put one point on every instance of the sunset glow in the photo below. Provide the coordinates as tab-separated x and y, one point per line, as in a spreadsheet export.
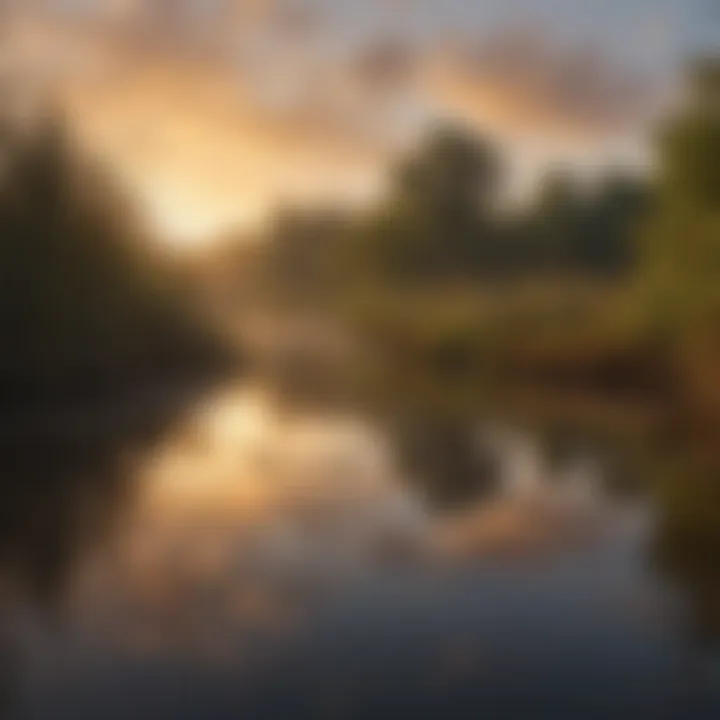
361	359
216	113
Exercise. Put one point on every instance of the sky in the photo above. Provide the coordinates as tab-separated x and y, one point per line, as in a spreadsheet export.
214	112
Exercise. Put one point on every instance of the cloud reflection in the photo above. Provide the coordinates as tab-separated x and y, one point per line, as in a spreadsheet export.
253	515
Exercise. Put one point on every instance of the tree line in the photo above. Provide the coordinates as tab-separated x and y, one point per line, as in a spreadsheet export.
445	266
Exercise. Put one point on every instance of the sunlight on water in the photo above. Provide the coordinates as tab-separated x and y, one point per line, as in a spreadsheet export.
245	516
253	497
244	458
258	534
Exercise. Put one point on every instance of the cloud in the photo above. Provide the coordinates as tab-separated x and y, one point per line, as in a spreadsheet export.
386	65
216	114
526	82
204	139
186	135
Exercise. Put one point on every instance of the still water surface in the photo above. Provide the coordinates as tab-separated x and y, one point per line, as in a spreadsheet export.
260	561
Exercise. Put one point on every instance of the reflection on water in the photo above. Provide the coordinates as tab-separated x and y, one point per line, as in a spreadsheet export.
65	483
687	542
278	562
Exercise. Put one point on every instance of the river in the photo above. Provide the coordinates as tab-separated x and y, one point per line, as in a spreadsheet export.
251	558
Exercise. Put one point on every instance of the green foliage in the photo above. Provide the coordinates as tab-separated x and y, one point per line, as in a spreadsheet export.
437	216
678	279
438	270
302	258
687	544
690	144
440	225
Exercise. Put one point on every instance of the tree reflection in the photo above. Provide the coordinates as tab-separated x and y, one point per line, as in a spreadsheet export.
65	485
441	452
687	546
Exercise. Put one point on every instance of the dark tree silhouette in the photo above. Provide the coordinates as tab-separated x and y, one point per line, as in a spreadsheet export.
84	307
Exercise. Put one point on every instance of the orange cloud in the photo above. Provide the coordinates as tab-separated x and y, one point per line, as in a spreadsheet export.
214	125
522	82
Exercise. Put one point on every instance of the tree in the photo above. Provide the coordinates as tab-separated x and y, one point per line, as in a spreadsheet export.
605	242
681	265
303	255
556	220
438	211
83	304
682	241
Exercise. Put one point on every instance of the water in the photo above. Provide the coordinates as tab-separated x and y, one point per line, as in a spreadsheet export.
255	560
